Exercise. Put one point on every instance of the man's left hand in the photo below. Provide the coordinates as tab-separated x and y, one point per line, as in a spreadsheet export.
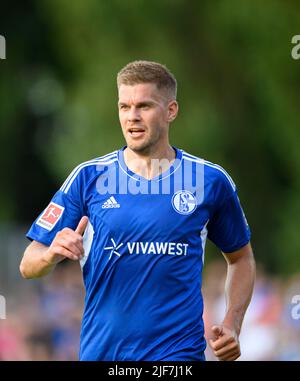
225	343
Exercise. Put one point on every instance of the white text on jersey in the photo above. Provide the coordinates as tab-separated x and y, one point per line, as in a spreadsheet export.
171	248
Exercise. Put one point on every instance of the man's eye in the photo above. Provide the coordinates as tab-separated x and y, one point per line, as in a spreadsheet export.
123	107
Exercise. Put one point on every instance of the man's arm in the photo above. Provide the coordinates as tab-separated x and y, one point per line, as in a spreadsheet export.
238	291
39	260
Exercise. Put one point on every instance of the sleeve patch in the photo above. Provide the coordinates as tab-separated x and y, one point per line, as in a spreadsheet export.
50	216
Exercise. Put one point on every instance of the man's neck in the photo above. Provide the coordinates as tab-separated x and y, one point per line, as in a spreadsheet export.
152	164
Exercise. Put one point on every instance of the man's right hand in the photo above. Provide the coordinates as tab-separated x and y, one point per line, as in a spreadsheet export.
67	243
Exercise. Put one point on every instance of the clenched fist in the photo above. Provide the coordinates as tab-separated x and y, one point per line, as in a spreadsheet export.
225	344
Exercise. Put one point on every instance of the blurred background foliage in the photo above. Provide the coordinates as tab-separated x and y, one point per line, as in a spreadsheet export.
238	91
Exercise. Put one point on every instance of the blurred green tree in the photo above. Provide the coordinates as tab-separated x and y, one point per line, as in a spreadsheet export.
238	96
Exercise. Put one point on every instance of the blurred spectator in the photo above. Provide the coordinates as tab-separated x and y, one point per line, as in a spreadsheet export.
269	332
44	316
43	322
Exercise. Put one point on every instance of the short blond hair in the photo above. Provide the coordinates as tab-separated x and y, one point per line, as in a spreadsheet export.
137	72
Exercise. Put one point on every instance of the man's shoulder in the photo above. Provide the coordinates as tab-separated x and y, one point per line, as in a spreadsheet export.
88	168
213	172
97	162
105	159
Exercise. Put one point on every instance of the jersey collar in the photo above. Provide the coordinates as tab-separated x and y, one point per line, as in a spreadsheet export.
175	165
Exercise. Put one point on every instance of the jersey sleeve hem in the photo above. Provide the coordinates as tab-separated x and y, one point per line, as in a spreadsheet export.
238	246
36	237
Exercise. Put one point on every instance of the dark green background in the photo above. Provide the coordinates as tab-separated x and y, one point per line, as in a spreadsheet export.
238	91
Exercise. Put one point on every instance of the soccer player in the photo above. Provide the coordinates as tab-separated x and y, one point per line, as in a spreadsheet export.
137	220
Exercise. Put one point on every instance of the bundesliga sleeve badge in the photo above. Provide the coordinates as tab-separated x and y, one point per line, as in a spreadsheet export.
50	216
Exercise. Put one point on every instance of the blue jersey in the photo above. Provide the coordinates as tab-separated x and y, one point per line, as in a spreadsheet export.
144	252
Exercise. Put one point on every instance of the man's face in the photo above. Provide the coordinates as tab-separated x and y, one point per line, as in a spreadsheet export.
145	114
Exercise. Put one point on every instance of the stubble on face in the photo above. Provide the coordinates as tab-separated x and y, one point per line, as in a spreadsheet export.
145	146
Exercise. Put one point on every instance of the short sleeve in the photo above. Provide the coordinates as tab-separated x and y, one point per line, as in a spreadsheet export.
64	210
228	228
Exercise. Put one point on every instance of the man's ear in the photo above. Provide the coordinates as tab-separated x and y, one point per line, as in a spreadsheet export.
172	110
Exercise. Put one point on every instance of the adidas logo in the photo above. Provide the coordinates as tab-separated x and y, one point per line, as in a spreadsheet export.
110	203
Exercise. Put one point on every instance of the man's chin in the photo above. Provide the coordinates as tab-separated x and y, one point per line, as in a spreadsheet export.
141	147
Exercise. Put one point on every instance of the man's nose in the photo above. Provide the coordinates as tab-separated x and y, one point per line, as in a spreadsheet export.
133	114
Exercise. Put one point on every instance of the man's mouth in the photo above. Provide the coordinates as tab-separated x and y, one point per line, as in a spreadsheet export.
136	132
